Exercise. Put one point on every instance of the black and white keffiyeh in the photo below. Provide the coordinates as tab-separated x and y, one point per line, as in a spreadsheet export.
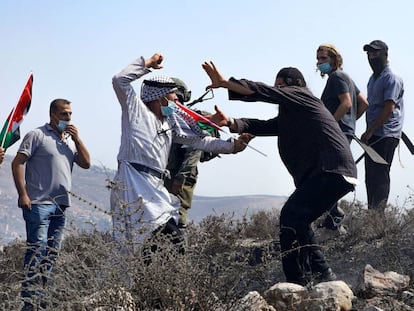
150	92
181	123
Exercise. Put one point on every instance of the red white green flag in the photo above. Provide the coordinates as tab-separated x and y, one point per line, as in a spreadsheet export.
198	117
11	129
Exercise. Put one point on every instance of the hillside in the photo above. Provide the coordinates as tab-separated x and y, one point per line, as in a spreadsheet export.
224	264
224	259
89	212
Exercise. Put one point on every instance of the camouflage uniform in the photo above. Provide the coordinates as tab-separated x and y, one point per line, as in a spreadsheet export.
182	165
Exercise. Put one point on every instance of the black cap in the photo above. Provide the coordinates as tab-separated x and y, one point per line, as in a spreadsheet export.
376	45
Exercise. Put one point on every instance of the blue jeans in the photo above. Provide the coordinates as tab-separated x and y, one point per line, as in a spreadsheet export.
44	232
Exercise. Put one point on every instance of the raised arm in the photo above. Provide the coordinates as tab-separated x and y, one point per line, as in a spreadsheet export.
218	80
82	156
122	81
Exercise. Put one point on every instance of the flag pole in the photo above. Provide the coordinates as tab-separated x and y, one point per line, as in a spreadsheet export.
212	124
11	114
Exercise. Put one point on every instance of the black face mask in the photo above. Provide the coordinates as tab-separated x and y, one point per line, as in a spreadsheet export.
378	64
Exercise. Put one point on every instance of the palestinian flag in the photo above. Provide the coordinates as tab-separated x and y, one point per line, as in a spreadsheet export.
201	120
11	129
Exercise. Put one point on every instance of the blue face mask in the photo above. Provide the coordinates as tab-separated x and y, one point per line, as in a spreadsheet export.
325	68
169	109
62	125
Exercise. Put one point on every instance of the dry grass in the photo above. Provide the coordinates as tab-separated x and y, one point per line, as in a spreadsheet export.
225	259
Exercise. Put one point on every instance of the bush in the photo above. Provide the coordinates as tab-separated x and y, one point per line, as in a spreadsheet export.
225	258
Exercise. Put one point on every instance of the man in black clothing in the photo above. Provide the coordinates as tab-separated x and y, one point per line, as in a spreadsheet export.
314	150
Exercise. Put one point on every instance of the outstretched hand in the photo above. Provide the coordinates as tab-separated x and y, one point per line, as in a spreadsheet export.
155	61
241	143
219	117
217	80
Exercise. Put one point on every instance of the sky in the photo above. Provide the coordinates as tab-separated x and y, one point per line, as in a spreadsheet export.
74	48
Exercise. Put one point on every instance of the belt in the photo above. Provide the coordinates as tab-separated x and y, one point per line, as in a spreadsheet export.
146	169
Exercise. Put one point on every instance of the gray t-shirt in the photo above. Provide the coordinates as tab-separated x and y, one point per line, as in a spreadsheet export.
340	83
49	167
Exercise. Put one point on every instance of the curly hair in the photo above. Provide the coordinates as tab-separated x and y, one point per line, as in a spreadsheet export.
333	53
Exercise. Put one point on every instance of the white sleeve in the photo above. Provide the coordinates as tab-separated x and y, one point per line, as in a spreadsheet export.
122	81
207	143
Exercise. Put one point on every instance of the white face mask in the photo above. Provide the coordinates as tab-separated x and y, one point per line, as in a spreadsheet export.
169	109
61	126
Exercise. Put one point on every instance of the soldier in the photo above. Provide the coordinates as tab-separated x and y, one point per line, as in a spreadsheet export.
182	164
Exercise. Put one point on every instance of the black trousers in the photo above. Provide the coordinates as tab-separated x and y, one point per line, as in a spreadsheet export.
301	256
169	232
377	176
336	215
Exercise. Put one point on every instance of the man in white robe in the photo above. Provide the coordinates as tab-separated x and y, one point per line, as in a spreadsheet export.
140	203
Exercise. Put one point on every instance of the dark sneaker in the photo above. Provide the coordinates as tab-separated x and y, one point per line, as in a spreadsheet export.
332	222
326	276
333	219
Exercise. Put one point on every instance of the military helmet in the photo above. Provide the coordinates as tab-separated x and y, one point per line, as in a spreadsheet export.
183	93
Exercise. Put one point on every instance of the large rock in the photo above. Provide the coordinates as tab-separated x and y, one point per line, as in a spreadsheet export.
334	295
285	296
374	283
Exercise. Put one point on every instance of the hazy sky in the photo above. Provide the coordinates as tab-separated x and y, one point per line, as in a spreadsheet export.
75	47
